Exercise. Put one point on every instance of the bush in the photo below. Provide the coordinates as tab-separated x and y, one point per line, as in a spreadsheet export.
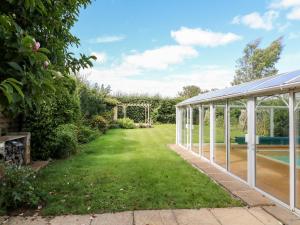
86	134
100	123
18	188
65	141
126	123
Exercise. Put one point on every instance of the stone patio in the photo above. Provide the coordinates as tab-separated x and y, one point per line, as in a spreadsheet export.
220	216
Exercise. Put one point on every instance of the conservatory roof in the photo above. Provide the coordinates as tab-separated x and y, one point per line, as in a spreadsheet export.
267	84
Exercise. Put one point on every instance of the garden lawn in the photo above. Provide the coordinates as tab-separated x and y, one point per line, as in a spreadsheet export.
128	170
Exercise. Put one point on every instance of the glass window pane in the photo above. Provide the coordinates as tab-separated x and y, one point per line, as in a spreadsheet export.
183	127
206	132
238	143
195	130
220	140
272	145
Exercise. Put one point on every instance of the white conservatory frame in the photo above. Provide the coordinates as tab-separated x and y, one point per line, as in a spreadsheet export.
288	83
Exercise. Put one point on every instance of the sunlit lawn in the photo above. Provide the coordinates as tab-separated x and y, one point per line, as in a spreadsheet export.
128	170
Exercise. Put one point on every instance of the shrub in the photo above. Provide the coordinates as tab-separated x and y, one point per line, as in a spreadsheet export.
86	134
126	123
65	141
100	123
18	188
114	125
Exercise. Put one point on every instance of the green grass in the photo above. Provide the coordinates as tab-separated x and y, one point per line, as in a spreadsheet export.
128	170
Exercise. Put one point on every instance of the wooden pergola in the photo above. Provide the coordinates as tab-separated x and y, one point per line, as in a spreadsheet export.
124	106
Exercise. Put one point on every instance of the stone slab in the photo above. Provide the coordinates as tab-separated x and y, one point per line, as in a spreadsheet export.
195	217
71	219
282	214
154	217
253	198
263	216
219	177
233	186
235	216
122	218
19	220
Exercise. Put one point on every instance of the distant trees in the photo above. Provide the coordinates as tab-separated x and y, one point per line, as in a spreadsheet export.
189	91
257	62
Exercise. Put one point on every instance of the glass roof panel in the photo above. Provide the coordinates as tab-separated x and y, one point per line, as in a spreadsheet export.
247	88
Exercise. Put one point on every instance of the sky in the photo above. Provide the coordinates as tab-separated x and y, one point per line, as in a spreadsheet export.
157	47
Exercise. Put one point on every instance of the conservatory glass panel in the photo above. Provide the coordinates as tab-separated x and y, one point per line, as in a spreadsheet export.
195	130
297	145
272	145
183	128
237	134
220	134
206	132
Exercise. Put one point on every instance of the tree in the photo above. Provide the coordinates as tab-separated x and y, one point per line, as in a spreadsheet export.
35	40
190	91
257	62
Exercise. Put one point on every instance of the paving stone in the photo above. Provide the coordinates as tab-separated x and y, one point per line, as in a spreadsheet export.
195	217
253	198
71	219
19	220
282	214
122	218
235	186
154	217
263	216
221	177
212	170
235	216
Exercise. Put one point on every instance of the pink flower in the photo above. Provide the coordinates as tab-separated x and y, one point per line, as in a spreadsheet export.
36	46
46	64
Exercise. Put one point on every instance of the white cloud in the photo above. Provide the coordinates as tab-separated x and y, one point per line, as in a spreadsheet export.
284	4
293	5
256	21
167	85
200	37
160	58
107	39
294	14
101	56
154	59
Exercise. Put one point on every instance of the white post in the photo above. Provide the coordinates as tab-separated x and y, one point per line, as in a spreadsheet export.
200	130
177	125
251	141
187	127
272	122
191	128
292	149
212	131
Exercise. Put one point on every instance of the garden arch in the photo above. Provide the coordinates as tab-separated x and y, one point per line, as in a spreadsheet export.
124	106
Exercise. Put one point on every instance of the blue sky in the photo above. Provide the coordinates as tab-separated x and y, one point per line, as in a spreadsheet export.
160	46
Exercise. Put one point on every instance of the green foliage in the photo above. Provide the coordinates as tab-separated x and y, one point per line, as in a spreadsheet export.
18	188
100	123
126	123
94	100
86	134
63	107
257	62
189	91
138	113
166	112
65	141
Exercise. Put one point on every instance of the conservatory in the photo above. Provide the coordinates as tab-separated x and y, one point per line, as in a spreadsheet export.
252	131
